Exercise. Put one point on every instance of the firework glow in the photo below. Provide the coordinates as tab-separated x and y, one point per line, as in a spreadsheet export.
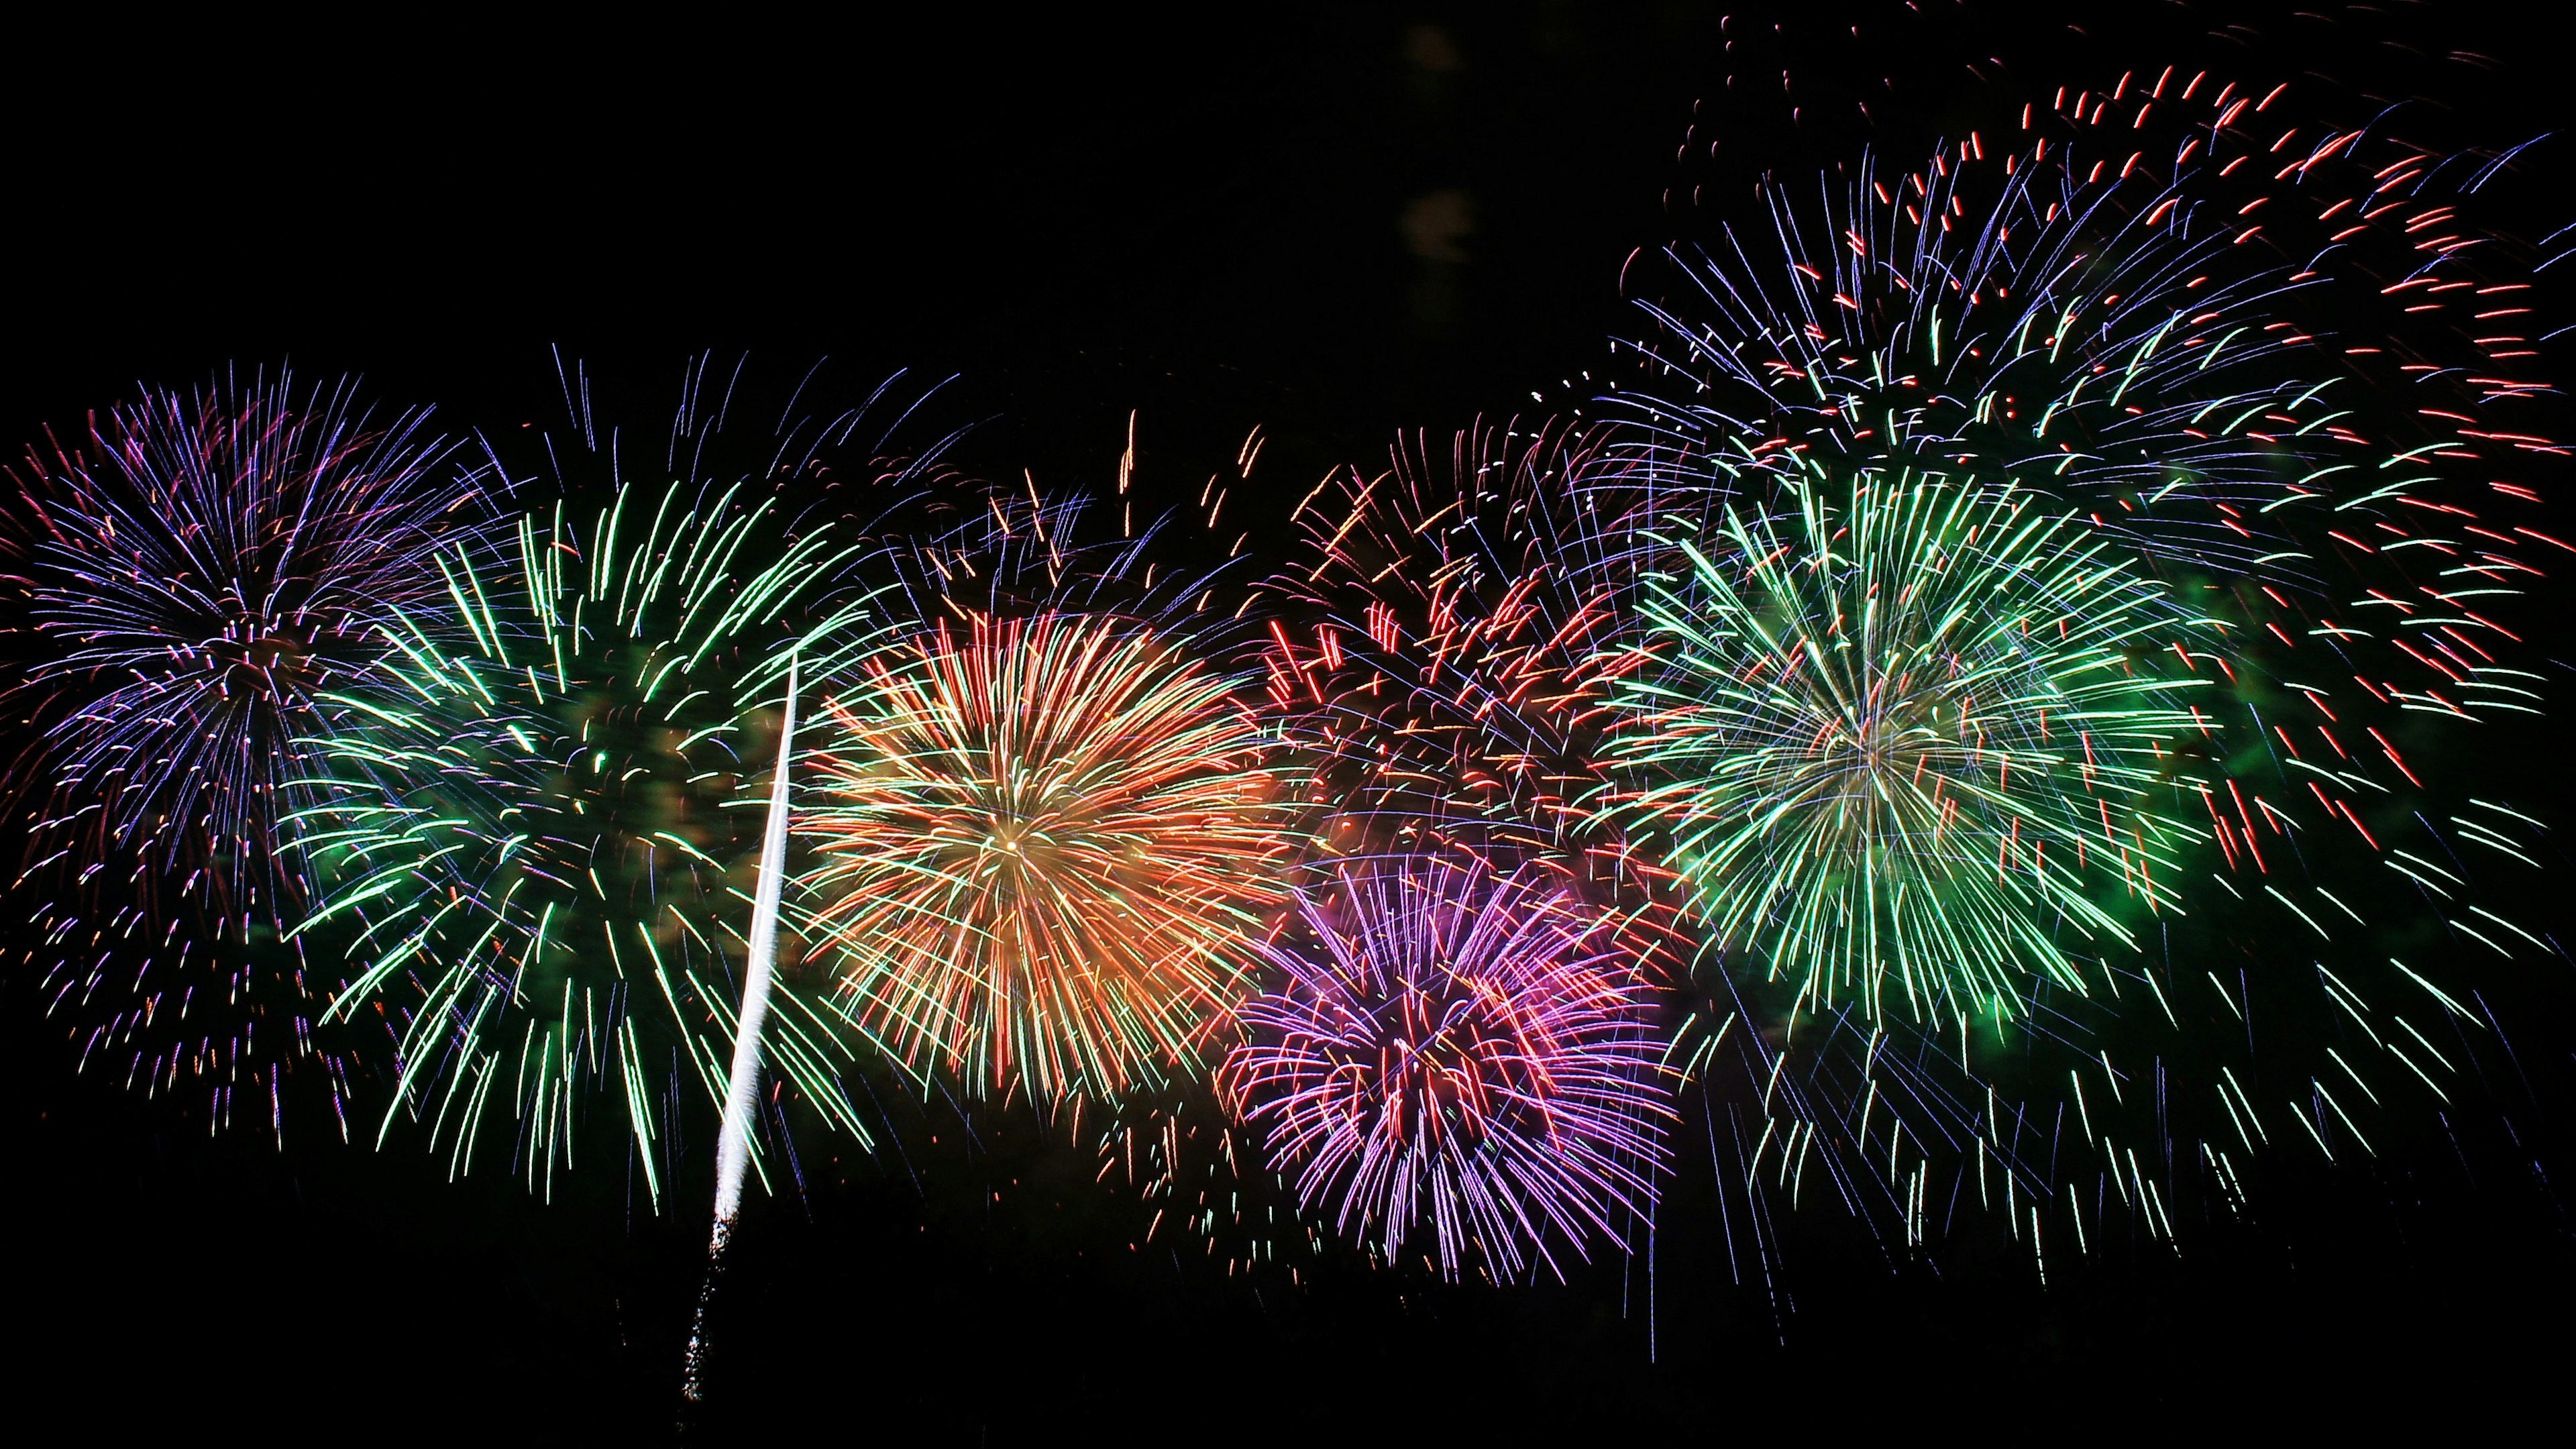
559	892
1909	743
1988	663
1457	1063
1472	612
2277	395
1044	847
203	573
742	1085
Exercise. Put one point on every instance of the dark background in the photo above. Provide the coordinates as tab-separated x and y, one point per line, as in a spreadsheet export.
1328	221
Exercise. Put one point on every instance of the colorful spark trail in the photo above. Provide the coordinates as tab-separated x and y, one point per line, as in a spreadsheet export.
2269	362
1457	1064
553	897
1044	847
1466	620
1911	745
1989	699
203	572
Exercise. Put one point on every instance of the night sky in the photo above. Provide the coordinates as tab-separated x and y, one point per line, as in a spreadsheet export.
1333	222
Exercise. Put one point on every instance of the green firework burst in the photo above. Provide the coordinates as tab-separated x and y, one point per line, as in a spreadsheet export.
1911	744
557	897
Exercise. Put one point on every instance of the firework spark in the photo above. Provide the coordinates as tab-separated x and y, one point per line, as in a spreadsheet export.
1203	1175
2275	365
1045	845
742	1083
557	892
203	573
1467	618
2197	353
1905	738
1457	1056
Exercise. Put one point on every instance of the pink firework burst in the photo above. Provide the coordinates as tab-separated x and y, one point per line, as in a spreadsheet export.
1458	1054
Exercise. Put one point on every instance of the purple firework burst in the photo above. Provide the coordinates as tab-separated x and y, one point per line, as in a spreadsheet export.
201	575
1458	1053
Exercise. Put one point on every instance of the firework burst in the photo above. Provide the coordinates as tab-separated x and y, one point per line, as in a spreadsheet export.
557	892
2109	305
1458	1057
1463	622
1044	845
203	574
1905	739
2274	366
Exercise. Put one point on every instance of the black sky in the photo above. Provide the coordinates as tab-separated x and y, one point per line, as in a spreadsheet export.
1329	221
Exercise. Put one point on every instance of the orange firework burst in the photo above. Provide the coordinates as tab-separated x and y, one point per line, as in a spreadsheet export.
1044	844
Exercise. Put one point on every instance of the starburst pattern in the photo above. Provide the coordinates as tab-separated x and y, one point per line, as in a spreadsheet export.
1457	1062
1045	846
